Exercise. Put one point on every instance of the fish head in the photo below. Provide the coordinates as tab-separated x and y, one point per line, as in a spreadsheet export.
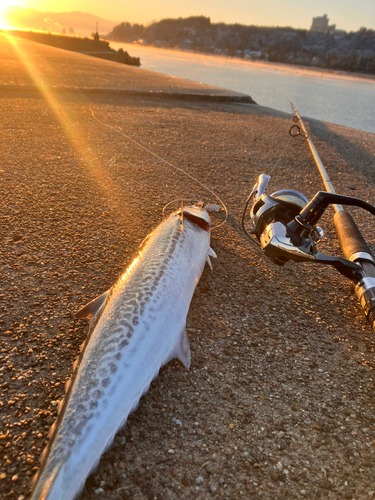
198	216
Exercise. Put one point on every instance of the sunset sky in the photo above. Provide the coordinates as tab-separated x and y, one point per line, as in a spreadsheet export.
346	14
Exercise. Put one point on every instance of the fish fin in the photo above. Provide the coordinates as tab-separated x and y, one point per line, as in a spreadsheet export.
33	481
51	430
91	309
182	215
209	261
76	361
60	406
43	454
47	489
211	253
180	350
68	383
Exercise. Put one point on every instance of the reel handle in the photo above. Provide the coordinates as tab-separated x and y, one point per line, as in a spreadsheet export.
350	238
356	250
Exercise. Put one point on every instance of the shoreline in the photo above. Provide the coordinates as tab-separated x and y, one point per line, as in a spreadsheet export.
333	97
292	68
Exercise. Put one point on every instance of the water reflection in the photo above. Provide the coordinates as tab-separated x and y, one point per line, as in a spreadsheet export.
340	99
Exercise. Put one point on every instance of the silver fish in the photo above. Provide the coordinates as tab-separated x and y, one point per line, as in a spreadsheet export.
136	327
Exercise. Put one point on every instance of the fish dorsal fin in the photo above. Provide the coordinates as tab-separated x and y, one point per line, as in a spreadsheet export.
180	350
211	253
182	215
90	310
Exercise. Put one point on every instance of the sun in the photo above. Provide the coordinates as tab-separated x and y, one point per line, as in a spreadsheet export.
4	6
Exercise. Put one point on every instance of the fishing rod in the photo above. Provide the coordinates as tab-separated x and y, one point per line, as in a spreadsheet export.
284	225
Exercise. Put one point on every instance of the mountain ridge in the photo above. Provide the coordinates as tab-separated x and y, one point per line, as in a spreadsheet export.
73	22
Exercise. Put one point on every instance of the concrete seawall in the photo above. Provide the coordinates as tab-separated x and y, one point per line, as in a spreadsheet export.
279	400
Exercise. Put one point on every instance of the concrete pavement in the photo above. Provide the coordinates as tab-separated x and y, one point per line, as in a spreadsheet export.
279	400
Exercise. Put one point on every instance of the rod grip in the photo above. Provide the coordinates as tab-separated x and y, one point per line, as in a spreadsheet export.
351	240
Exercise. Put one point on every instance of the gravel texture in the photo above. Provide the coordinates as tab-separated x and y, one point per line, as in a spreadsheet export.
279	400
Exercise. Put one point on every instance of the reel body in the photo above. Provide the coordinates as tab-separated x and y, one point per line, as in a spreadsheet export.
270	216
284	225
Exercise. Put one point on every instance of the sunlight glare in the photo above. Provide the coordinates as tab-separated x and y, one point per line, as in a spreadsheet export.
85	150
4	6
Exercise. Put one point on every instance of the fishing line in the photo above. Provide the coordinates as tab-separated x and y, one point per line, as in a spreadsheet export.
170	203
253	241
281	154
170	165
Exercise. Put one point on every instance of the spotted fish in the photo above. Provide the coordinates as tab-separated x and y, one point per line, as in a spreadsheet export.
135	328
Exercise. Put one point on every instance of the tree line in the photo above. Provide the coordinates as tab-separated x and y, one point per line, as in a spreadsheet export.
354	51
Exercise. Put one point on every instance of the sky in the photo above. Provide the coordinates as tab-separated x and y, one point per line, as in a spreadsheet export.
349	15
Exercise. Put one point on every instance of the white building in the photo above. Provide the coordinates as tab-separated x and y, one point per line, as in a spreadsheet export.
320	25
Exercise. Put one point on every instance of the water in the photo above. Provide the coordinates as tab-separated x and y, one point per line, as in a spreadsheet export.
340	99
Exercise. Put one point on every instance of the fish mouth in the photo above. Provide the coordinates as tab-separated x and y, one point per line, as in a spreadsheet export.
198	216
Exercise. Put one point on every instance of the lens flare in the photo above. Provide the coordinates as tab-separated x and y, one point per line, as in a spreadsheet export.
5	6
85	151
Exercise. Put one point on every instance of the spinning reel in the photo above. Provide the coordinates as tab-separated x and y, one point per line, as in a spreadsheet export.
284	226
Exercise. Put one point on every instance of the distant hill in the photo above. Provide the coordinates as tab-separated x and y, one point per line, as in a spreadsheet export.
354	51
74	23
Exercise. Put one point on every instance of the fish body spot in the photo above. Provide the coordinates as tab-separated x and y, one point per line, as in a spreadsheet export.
106	382
92	384
123	344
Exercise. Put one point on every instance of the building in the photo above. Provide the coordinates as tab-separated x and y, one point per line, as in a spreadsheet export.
320	25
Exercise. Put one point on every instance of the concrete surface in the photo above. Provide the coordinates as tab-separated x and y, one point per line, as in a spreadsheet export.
279	400
46	66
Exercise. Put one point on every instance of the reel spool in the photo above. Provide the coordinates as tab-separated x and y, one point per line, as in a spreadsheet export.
282	206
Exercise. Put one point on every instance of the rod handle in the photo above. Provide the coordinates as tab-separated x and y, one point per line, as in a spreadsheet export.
350	238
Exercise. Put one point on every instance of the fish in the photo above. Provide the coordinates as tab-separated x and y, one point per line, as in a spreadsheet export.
136	327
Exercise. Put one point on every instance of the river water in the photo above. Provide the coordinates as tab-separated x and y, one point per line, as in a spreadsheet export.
335	98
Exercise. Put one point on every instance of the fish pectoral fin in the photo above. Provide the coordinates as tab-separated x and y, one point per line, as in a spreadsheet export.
208	260
91	309
180	350
211	253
